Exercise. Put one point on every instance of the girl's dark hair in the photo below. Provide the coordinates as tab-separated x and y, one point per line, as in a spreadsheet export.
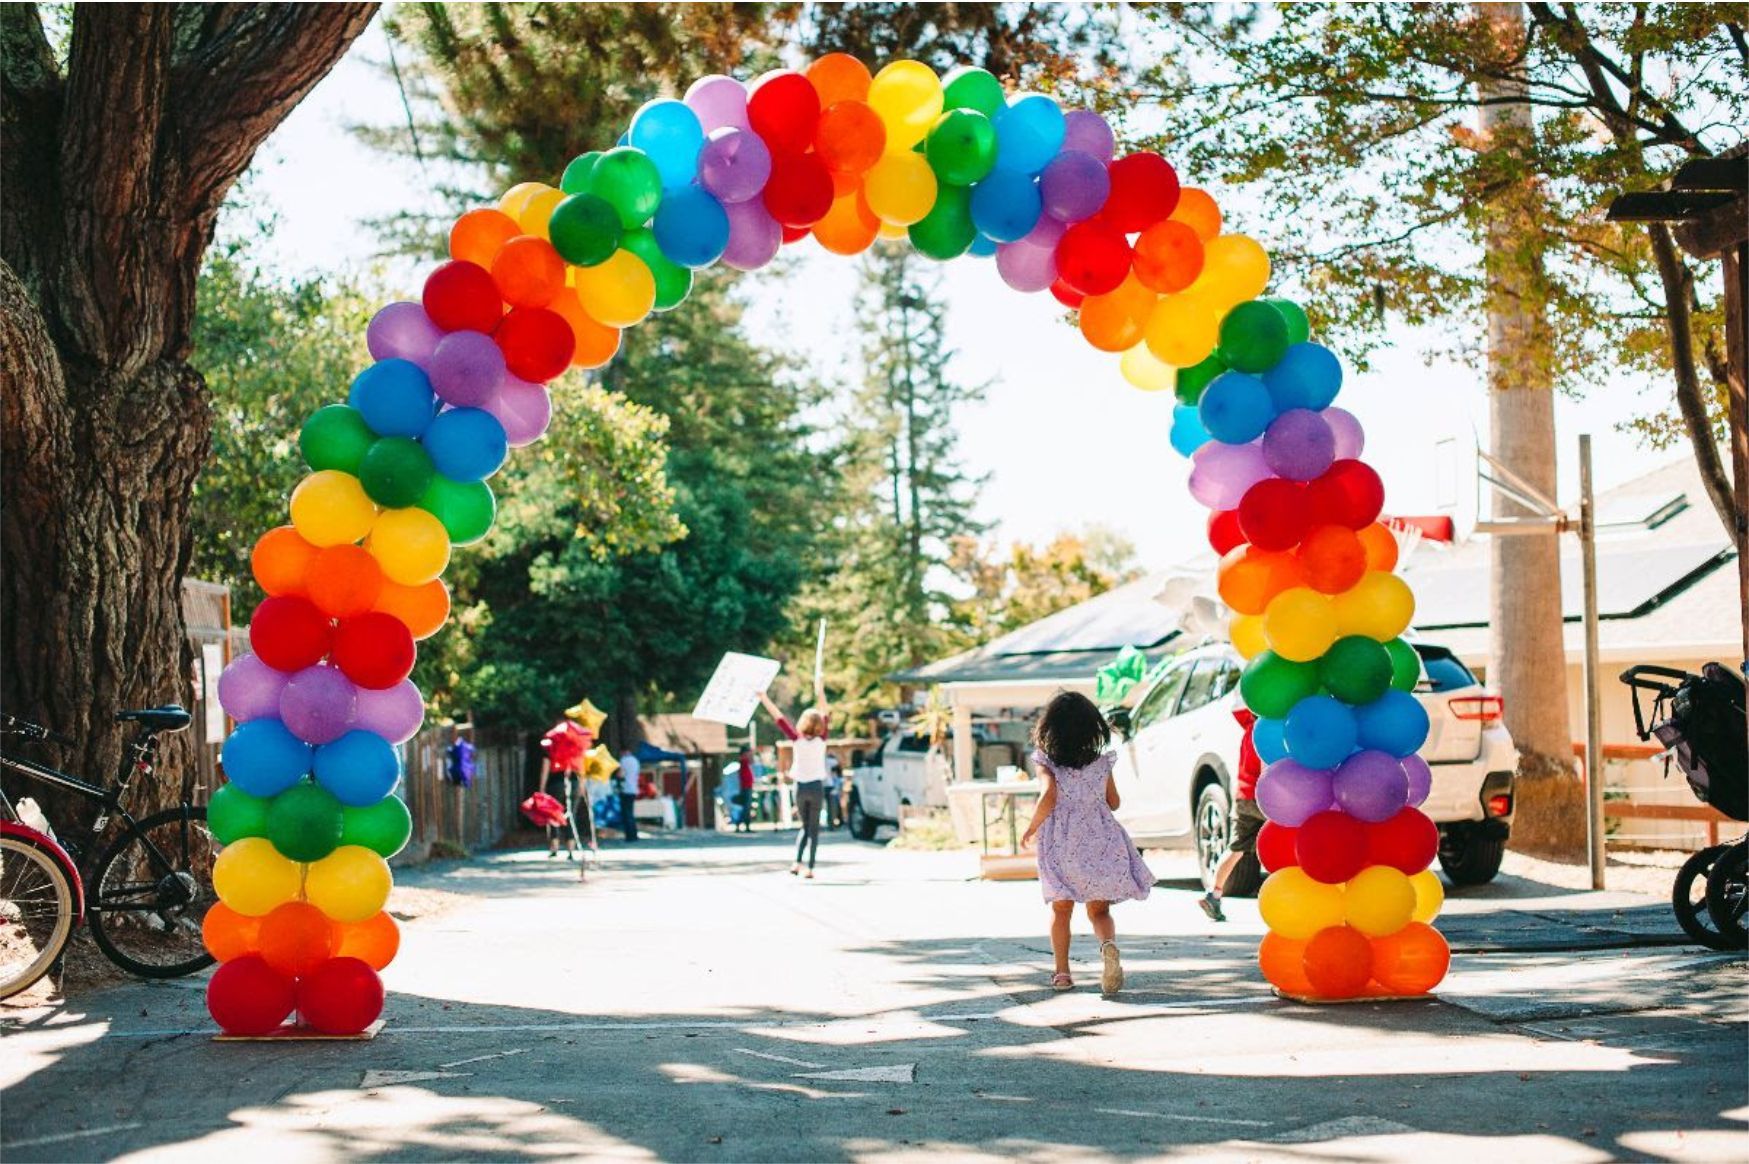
1071	732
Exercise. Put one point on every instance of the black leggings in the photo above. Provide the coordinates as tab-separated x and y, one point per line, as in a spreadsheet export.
810	797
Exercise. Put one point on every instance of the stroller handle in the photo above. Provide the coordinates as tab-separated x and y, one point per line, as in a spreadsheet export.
1638	676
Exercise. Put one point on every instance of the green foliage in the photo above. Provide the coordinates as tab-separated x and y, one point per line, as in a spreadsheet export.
1030	43
1032	582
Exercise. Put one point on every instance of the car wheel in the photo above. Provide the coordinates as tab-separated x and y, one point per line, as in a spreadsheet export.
1469	857
1727	895
1213	830
862	825
1688	899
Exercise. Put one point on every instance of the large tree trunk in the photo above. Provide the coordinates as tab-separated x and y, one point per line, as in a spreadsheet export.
1528	663
113	175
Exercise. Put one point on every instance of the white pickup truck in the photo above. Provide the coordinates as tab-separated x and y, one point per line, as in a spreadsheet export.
905	770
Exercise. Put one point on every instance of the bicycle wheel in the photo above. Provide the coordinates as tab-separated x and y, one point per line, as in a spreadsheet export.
36	913
153	889
1727	895
1688	899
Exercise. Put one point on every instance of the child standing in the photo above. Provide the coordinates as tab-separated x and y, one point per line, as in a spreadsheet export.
1084	855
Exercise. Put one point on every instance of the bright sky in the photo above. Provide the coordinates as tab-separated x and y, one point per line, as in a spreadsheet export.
1065	441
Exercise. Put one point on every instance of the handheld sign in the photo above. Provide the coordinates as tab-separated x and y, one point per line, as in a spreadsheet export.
820	656
733	693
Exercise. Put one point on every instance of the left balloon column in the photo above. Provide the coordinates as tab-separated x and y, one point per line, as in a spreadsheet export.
309	815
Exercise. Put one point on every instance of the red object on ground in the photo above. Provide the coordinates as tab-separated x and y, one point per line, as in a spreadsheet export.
543	810
246	996
342	996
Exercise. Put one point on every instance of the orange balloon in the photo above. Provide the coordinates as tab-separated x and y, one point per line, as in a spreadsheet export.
850	137
596	342
1168	256
849	228
838	77
1381	547
1332	558
1411	961
1197	210
422	609
477	235
528	271
1283	962
281	561
1338	962
1248	578
345	580
229	934
296	938
374	941
1114	322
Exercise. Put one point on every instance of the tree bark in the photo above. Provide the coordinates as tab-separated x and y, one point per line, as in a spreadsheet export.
113	173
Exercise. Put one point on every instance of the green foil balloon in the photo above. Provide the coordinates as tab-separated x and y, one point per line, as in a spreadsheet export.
673	281
336	437
305	822
466	508
1356	669
233	814
384	827
585	230
969	87
576	177
1299	328
1405	665
1192	380
946	231
961	147
396	472
1253	337
1271	685
626	179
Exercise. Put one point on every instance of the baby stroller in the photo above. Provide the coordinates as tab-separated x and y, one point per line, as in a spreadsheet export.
1700	720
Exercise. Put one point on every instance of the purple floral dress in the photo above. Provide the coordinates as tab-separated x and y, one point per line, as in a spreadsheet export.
1083	853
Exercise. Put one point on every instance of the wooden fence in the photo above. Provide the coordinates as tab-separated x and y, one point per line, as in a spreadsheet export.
448	816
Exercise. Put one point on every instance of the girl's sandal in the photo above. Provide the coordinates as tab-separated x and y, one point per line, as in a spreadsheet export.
1061	982
1111	969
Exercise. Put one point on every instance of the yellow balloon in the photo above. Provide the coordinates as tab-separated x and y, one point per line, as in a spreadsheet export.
1245	632
514	200
1378	901
1429	895
538	210
254	878
1379	606
350	884
1296	906
1300	624
900	188
907	96
330	508
1234	268
893	231
1182	329
619	292
410	545
1144	370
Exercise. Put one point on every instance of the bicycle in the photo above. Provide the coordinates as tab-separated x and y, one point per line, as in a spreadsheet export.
150	887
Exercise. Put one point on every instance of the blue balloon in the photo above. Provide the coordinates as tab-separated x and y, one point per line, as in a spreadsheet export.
1308	376
1320	732
1029	133
1235	408
1267	738
1395	722
263	758
670	133
691	227
982	247
395	398
1188	434
466	444
1006	206
359	768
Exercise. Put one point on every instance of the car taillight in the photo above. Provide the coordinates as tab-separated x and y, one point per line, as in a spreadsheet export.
1500	805
1483	709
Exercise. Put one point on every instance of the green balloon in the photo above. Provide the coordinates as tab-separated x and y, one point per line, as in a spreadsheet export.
1253	337
1192	380
336	437
946	231
961	147
1356	669
466	508
304	822
1299	328
396	472
1405	665
969	87
233	814
673	281
383	827
626	179
576	177
1271	685
585	230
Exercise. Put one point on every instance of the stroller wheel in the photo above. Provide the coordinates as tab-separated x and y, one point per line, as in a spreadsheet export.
1727	894
1688	899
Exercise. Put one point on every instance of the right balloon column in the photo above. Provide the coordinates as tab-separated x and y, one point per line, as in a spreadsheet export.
1318	613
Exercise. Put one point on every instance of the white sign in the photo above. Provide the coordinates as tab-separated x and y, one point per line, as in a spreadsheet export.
212	663
733	693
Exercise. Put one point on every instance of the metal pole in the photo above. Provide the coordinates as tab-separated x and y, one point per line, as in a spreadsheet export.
1594	835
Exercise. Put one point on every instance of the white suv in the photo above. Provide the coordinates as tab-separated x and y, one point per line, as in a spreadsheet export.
1178	758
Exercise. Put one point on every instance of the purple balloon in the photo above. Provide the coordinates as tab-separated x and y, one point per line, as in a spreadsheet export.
1087	132
1420	779
1047	233
1350	437
1221	473
249	689
1299	445
466	369
719	102
734	164
318	704
1371	786
523	409
402	331
1289	793
393	713
754	236
1025	267
1073	186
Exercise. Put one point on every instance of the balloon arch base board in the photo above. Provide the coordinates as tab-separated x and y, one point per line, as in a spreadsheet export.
547	279
293	1033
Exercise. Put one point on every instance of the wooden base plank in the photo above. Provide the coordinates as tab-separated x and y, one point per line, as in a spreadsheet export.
292	1033
1312	1000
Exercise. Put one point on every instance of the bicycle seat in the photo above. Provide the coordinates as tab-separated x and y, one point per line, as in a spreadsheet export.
169	718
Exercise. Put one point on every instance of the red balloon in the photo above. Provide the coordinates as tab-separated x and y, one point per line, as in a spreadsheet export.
1275	846
1333	558
799	191
1349	493
537	343
342	996
1224	531
1144	190
1407	841
289	633
1338	962
793	234
1272	514
460	296
783	108
374	650
1067	295
1331	846
246	996
1093	258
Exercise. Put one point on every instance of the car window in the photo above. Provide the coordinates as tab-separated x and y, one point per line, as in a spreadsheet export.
1444	671
1161	701
1228	680
1201	687
914	743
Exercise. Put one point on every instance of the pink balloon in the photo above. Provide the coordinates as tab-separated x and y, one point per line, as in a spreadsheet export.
1350	437
1047	233
393	713
402	331
523	409
718	101
1025	267
1221	473
250	689
754	236
1088	132
1420	779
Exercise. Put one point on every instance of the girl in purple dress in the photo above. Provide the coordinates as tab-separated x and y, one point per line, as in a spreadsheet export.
1083	853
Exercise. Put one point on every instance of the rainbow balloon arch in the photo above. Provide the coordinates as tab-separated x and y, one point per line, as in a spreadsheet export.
546	281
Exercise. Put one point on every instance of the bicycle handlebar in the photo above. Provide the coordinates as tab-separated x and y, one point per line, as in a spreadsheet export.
34	731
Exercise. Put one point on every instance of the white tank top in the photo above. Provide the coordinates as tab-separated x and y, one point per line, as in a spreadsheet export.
809	765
